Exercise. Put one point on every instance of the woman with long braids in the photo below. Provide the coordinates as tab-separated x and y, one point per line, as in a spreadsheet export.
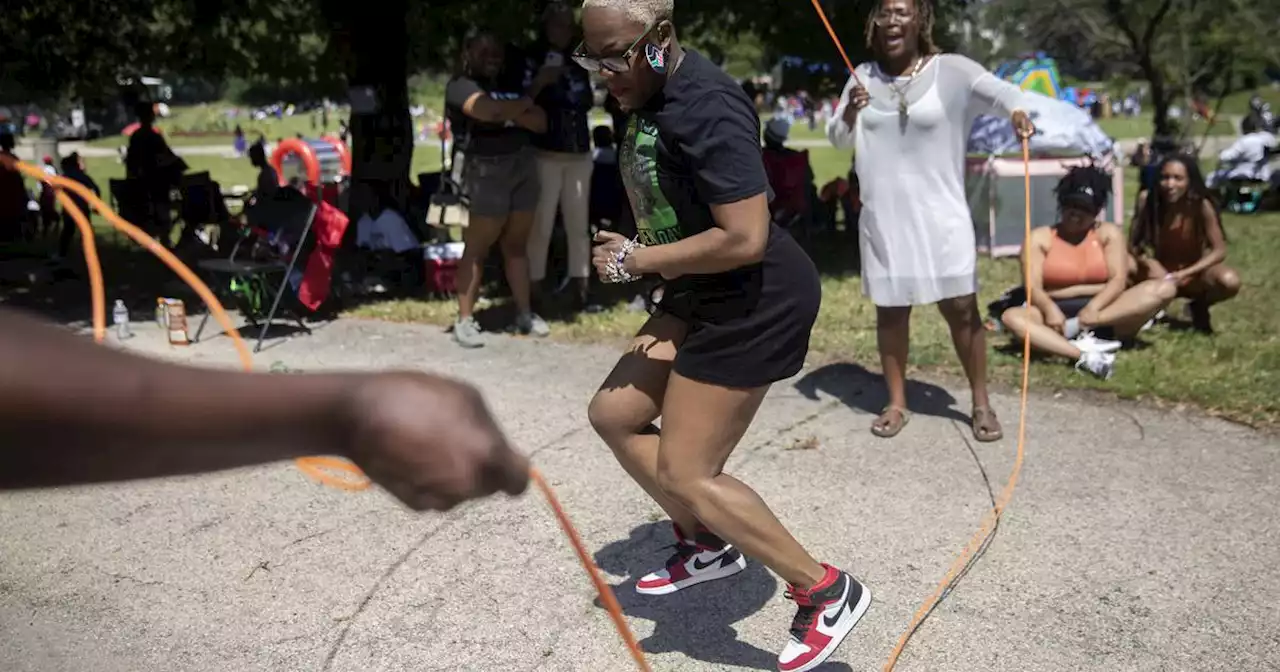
909	127
1079	271
1177	236
740	300
493	120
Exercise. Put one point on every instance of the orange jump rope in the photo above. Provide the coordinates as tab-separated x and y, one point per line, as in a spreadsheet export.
322	469
992	518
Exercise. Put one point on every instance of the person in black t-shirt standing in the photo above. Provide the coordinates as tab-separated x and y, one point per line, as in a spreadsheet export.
734	318
491	120
564	151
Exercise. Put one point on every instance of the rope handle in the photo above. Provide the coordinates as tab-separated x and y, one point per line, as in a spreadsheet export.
329	471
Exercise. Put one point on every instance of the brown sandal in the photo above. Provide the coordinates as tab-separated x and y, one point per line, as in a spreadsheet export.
986	426
887	429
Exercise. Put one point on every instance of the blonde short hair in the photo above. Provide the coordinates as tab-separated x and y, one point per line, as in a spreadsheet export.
647	12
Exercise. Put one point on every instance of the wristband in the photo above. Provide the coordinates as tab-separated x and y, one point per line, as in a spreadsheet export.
616	270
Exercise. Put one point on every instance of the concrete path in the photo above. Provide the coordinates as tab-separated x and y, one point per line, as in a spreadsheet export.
1137	540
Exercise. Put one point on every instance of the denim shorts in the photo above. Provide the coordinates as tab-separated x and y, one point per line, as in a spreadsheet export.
497	186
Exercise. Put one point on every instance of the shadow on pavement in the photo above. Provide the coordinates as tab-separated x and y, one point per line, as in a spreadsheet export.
697	622
858	388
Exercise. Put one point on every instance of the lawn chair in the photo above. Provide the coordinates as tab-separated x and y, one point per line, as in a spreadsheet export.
284	221
201	205
788	175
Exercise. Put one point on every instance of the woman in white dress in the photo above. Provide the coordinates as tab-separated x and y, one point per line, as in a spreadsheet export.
909	128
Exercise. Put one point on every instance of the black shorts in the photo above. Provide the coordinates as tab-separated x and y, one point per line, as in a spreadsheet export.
1070	307
750	327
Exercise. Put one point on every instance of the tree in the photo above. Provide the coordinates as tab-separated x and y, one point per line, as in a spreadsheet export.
1181	48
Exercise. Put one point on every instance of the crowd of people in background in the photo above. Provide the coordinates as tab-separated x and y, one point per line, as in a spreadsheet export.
521	145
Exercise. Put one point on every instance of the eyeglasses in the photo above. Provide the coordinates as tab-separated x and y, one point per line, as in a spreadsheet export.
890	18
615	64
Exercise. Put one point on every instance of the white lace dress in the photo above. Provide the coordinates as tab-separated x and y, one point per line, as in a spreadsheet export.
916	230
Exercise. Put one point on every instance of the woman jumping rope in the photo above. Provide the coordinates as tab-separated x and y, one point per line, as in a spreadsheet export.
910	125
740	300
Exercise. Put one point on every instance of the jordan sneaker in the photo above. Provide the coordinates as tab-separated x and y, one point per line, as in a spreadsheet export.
825	615
703	558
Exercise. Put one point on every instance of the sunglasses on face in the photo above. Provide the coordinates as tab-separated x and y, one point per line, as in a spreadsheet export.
900	18
616	64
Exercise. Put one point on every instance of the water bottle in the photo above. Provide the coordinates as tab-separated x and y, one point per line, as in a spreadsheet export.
120	318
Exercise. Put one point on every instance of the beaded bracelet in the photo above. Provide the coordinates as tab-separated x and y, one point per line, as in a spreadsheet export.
617	270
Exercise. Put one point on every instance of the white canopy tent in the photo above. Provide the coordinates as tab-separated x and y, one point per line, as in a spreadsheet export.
1066	136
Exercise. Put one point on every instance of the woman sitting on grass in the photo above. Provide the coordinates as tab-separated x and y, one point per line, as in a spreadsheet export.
1079	271
1177	236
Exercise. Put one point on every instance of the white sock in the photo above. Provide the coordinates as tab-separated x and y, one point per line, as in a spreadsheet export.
1072	328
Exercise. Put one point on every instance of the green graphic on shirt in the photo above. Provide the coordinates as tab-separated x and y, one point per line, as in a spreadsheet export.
655	218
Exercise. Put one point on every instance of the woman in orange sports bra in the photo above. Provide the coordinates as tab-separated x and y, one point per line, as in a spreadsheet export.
1177	235
1079	273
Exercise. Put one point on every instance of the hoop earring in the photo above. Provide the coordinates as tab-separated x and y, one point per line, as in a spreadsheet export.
657	58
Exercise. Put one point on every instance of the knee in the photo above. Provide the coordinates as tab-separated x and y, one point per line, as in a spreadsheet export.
680	487
1228	282
961	312
611	422
1012	320
515	248
1161	290
474	252
893	319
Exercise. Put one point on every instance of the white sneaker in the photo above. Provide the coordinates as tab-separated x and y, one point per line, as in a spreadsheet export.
531	324
1100	364
1087	342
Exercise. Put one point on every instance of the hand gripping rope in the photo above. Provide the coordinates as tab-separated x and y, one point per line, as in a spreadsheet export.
318	468
968	556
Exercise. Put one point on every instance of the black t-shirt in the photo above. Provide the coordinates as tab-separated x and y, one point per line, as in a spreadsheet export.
481	138
694	145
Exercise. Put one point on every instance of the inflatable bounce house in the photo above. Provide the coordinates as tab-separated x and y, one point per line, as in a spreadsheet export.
1037	73
1066	136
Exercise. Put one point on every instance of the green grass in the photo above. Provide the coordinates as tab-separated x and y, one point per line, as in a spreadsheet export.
209	125
1235	374
1120	128
232	171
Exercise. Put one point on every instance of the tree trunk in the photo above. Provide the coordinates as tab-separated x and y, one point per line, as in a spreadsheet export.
373	40
1159	96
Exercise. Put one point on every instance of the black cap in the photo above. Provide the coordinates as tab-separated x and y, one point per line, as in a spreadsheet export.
1082	197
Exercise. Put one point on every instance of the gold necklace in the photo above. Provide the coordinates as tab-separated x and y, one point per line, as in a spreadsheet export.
900	91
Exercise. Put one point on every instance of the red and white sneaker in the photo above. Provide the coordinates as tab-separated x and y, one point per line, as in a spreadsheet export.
827	614
703	558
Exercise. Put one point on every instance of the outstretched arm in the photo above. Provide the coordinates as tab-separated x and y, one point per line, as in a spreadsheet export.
72	411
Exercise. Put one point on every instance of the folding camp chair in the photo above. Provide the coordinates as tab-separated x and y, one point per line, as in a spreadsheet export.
283	220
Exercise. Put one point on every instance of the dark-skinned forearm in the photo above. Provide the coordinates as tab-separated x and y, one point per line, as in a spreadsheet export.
712	251
72	411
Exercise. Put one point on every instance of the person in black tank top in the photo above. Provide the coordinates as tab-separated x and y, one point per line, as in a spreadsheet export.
739	302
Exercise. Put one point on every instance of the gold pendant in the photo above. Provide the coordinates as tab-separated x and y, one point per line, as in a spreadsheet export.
902	110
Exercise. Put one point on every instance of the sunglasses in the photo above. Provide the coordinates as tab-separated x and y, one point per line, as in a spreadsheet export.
884	19
615	64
